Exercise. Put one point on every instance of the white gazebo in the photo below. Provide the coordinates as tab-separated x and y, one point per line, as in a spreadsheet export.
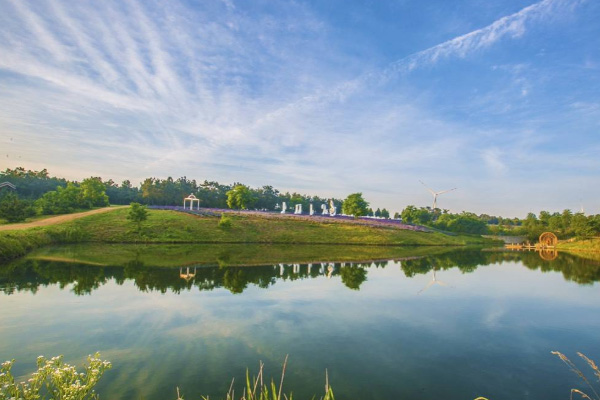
187	275
191	198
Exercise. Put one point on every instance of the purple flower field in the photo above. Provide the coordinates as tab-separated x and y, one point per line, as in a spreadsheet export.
216	212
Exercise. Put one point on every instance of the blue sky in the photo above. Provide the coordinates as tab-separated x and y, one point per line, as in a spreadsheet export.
498	98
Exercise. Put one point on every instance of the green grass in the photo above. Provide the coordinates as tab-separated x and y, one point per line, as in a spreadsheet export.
174	227
589	245
14	244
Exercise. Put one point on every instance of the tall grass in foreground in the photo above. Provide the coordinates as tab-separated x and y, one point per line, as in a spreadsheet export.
578	372
56	380
257	389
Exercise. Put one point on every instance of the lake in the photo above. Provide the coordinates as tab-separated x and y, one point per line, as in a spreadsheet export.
386	323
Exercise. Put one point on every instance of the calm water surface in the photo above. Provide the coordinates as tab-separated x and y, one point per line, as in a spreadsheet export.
454	325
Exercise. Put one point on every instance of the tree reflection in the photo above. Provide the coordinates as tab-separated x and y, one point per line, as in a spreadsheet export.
353	276
29	275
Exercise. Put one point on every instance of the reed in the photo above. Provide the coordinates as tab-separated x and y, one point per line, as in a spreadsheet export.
256	389
580	374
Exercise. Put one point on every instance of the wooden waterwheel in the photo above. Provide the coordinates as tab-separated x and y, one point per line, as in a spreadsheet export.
548	255
548	239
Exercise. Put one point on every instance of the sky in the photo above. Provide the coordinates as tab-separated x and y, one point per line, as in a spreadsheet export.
500	99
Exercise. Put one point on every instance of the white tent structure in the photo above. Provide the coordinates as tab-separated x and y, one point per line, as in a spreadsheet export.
191	198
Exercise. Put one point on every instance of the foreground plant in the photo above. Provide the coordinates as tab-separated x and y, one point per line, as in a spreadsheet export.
54	379
577	371
257	389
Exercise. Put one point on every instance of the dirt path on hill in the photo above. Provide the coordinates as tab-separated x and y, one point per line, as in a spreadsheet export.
56	220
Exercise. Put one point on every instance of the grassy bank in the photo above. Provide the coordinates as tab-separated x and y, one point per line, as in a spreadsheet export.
585	245
15	244
174	227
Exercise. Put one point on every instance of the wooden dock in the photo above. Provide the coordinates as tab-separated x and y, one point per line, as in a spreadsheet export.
527	246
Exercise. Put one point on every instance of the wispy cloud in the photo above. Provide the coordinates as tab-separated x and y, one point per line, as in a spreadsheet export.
511	26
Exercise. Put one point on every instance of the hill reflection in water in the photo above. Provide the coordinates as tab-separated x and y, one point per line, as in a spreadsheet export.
62	267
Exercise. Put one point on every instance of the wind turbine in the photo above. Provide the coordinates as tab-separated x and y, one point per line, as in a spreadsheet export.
436	194
432	282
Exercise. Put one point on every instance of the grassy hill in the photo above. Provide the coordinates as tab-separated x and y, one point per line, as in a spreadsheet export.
173	227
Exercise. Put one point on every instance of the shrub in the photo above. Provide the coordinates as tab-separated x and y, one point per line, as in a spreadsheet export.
138	214
224	222
55	378
13	209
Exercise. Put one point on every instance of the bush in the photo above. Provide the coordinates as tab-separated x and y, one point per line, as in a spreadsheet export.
138	214
55	378
224	222
13	209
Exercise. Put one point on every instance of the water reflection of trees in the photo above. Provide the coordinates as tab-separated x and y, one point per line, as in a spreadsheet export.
573	268
30	275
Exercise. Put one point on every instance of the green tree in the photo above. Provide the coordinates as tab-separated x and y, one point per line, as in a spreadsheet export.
13	209
138	214
240	197
63	200
581	225
355	205
267	198
414	215
385	213
31	185
566	218
467	223
93	193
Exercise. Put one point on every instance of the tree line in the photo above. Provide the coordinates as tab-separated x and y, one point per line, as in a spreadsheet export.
565	224
39	193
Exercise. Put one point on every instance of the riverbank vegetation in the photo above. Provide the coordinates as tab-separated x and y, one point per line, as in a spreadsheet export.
164	226
583	245
565	224
39	193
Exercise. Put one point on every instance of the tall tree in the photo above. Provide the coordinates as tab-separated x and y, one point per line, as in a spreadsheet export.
240	197
93	193
355	205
